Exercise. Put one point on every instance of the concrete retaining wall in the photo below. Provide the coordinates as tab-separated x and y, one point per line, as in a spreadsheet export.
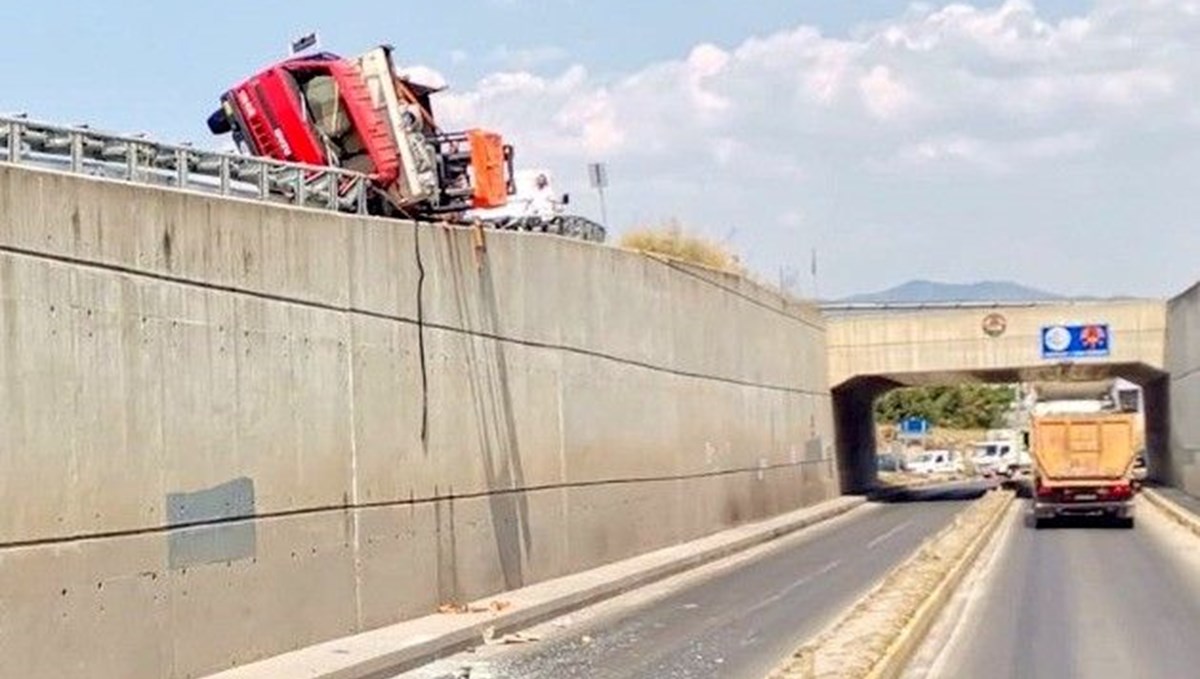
1183	363
228	430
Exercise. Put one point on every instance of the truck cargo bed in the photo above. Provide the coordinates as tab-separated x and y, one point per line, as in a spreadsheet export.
1082	466
1081	448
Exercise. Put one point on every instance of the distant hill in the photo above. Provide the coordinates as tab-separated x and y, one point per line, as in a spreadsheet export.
921	292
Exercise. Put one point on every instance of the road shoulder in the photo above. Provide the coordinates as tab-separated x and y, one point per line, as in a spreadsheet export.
411	643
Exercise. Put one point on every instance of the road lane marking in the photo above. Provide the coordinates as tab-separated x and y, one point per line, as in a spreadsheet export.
875	542
794	586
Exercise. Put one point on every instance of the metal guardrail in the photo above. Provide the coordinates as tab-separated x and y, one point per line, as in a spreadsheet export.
850	307
81	150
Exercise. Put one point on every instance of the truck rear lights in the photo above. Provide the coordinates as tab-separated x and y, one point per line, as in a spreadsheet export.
1115	492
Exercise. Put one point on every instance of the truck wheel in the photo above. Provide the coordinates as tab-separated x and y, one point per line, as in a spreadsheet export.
218	122
1039	523
1126	522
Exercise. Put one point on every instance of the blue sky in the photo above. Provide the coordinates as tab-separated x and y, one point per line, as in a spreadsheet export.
1049	142
141	65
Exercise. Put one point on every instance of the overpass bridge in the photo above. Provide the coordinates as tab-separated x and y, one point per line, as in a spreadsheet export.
875	348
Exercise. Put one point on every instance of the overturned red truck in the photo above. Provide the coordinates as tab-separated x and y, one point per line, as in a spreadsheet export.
358	114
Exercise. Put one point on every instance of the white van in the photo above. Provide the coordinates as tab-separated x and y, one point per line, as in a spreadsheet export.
989	457
935	462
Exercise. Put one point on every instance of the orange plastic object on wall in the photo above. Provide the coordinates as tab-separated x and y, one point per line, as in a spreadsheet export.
490	160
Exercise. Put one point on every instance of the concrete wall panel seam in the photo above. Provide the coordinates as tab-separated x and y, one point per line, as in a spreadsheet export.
116	268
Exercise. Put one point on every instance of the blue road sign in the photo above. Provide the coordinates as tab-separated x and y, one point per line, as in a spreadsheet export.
914	426
1075	341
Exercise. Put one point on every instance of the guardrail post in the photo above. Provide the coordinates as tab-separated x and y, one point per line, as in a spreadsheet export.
264	185
224	175
181	168
300	192
361	183
76	152
14	142
130	161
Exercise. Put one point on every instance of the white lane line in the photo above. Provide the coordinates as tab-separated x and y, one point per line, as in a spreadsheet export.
794	586
875	542
825	569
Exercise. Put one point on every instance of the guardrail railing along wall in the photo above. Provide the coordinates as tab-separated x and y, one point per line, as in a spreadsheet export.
85	151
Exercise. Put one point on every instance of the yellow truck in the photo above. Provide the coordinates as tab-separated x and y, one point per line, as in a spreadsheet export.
1083	466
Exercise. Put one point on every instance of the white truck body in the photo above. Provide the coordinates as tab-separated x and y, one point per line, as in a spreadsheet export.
528	199
1003	452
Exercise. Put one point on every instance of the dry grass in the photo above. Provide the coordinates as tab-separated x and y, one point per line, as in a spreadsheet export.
672	240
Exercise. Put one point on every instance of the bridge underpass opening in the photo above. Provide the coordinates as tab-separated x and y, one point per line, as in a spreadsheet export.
854	410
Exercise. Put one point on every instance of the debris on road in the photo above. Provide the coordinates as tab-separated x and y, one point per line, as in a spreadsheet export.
455	608
490	638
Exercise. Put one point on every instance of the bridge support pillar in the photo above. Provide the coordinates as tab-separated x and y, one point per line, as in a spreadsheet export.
1157	409
854	408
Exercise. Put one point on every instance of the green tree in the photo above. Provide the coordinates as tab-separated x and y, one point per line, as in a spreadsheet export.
966	406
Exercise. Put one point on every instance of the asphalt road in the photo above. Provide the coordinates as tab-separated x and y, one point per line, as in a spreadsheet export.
738	621
1081	600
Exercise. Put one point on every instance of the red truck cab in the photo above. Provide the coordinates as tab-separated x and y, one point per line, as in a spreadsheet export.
314	110
322	109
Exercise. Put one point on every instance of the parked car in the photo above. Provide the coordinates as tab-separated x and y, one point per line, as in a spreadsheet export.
935	462
887	462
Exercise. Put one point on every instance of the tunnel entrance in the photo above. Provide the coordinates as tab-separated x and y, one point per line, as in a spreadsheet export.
854	410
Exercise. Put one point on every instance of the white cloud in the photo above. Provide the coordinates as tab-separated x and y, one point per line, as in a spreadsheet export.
908	123
422	74
958	151
884	95
706	62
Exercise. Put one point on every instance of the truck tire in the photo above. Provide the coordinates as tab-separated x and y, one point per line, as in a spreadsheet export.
218	122
1039	523
1125	523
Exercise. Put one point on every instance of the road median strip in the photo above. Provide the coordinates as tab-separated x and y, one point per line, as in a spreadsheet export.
405	645
877	636
1174	511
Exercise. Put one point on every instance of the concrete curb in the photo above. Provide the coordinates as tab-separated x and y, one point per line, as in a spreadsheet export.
1174	511
380	653
894	660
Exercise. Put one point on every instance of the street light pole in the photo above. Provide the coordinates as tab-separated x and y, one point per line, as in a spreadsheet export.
598	178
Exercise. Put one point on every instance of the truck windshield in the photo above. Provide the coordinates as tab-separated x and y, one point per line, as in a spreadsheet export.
329	116
325	106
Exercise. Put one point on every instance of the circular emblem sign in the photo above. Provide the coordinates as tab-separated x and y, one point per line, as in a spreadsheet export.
1058	338
994	325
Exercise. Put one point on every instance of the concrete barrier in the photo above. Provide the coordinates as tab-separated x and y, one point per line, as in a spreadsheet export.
230	430
1174	511
1183	364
